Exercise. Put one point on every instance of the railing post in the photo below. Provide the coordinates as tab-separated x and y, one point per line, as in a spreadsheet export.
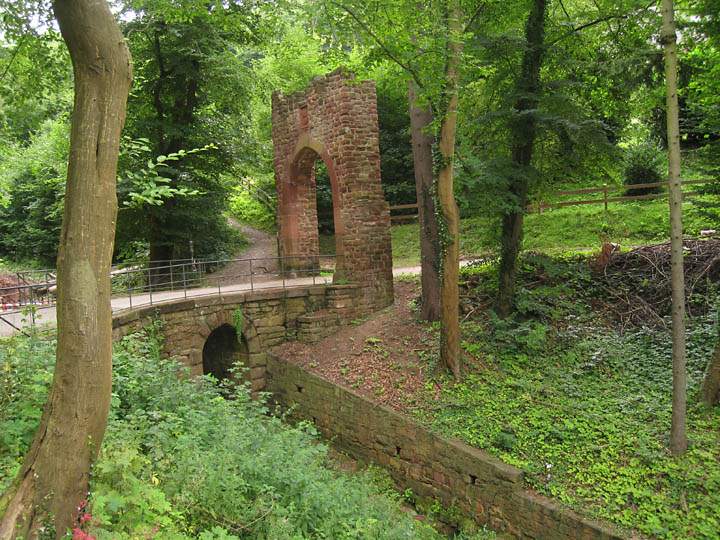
282	270
251	275
605	196
129	289
172	282
184	282
32	307
150	284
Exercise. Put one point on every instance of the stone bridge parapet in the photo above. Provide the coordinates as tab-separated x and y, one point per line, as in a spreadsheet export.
204	331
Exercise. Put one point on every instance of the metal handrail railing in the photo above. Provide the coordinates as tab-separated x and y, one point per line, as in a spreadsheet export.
160	281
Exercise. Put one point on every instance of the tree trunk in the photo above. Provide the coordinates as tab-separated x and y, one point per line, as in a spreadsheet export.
54	477
422	142
523	130
711	383
678	436
161	254
450	216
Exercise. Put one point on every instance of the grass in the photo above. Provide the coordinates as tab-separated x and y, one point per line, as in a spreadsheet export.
574	228
584	410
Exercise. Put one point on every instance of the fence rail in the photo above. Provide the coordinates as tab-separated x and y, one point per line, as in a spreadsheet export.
605	191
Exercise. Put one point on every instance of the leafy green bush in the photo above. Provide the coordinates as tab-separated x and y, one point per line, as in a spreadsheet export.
643	165
247	209
186	458
33	180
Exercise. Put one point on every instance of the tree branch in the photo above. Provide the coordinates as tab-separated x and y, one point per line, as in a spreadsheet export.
380	43
474	16
12	58
575	30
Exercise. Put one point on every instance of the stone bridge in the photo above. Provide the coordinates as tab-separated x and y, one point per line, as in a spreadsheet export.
210	333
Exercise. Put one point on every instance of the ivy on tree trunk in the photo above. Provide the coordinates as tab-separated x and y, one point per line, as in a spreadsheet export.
523	130
449	214
678	435
421	119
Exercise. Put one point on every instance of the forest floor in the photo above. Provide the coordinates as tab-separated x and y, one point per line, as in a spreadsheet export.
575	390
378	357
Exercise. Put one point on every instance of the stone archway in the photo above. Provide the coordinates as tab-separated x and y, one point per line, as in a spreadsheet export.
223	348
334	120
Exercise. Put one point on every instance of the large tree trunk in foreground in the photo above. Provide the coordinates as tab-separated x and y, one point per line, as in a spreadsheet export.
678	437
54	477
422	142
450	353
523	130
711	383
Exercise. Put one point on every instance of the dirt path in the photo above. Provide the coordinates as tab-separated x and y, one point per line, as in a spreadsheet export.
262	245
386	358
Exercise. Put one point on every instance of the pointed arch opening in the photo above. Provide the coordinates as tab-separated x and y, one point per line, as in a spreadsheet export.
305	216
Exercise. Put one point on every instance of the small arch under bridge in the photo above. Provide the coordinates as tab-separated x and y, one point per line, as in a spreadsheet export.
208	334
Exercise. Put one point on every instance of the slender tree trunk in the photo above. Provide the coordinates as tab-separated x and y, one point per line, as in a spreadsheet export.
449	293
422	142
523	131
54	477
678	436
711	383
180	117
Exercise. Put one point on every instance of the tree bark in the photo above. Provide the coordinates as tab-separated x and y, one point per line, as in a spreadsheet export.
711	383
450	353
422	141
678	436
523	130
183	87
54	477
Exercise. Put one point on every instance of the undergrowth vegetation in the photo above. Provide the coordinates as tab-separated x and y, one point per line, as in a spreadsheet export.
188	458
581	404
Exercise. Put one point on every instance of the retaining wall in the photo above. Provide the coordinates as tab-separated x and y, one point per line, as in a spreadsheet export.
481	486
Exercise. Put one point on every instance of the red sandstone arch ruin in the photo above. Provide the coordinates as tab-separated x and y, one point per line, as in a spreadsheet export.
335	120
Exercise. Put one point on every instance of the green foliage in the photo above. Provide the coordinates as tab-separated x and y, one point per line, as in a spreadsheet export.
643	165
585	410
192	91
32	180
180	461
574	228
251	203
25	374
239	321
153	184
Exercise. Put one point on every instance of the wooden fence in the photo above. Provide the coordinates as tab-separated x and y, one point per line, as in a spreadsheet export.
605	191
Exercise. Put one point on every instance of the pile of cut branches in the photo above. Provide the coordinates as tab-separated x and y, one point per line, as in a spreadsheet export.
638	286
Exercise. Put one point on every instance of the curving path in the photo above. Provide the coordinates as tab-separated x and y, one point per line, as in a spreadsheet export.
262	245
232	278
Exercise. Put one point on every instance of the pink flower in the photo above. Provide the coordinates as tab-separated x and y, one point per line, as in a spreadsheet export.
79	534
85	518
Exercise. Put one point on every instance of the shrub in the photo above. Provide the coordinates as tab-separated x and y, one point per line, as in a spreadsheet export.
643	165
247	209
181	460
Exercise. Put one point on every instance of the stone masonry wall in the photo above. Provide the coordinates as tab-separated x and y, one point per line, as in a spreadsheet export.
269	318
335	120
484	488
